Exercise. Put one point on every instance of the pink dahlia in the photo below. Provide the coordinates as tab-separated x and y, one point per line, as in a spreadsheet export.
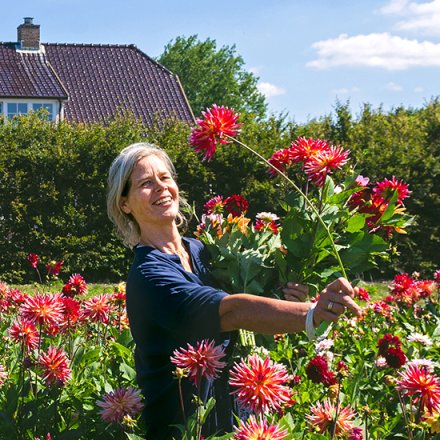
55	365
259	429
421	385
217	122
43	309
202	361
214	205
97	308
261	384
384	190
236	205
323	416
362	294
437	276
119	403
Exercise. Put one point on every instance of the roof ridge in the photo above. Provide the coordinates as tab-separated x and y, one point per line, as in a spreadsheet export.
91	45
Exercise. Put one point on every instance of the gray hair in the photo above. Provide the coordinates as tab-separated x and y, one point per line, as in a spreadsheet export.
118	186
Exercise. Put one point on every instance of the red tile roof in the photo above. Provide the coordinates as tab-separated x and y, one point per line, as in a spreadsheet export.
99	79
26	75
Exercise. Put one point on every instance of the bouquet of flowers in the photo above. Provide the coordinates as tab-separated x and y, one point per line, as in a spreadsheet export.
327	230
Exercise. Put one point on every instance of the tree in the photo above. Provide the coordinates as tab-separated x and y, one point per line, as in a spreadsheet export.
210	75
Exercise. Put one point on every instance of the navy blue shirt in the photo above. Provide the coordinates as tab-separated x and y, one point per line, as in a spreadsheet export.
167	308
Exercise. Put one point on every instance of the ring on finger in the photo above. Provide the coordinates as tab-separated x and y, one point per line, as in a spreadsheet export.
330	306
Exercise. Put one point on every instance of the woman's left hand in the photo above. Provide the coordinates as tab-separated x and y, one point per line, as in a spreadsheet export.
295	292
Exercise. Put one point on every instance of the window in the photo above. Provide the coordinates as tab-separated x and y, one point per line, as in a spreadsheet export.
16	109
48	107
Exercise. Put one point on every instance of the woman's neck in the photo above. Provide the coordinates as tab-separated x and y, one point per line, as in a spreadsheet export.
166	239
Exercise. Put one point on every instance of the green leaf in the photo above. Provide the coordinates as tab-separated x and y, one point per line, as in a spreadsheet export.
355	223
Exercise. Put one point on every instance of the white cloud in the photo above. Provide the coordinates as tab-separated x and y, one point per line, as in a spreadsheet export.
269	90
418	17
254	69
346	91
393	87
381	50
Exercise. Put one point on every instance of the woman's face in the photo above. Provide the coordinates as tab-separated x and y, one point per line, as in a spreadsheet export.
153	197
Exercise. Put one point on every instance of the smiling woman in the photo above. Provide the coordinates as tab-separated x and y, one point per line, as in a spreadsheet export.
172	300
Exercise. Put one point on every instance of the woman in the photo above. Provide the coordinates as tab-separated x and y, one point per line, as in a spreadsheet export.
171	300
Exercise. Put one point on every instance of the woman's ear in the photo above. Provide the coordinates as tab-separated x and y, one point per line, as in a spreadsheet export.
124	205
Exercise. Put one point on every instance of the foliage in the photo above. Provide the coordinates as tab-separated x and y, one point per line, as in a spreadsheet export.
211	75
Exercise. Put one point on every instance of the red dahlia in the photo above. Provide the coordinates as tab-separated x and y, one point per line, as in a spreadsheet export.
33	259
384	190
55	364
236	205
259	429
261	384
25	333
214	205
317	371
44	309
217	122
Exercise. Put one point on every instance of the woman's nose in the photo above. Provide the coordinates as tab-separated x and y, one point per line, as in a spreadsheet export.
160	185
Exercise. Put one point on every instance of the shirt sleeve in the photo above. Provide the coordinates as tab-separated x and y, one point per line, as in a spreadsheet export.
180	302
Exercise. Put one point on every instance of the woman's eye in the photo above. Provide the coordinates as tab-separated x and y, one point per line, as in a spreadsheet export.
146	183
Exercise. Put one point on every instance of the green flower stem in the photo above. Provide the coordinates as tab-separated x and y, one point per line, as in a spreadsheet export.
296	187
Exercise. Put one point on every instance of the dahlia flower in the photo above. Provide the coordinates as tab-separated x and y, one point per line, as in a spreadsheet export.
418	337
119	403
214	205
323	415
217	122
203	361
23	331
72	310
304	150
98	308
426	364
33	259
384	190
386	342
421	385
321	165
437	276
55	365
281	159
54	267
432	419
395	357
259	429
43	309
236	205
260	384
362	294
317	371
75	286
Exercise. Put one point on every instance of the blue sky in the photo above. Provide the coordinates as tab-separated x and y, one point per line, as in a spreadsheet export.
307	53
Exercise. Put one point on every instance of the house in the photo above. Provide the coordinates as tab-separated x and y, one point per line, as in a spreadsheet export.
84	83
